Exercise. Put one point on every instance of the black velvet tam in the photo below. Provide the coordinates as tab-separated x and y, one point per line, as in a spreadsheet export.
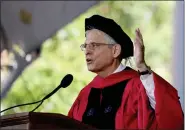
111	28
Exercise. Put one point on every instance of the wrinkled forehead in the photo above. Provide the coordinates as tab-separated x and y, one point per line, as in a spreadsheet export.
95	35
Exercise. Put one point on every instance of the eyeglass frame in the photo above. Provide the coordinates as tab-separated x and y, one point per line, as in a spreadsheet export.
94	45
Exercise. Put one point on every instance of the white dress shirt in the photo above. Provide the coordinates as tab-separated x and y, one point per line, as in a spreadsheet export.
148	83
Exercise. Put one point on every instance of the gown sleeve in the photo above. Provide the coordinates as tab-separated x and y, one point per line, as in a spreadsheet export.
168	110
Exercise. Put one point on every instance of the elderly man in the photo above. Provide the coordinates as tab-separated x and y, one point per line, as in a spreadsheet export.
120	97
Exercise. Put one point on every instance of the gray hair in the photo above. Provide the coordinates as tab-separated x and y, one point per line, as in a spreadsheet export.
108	38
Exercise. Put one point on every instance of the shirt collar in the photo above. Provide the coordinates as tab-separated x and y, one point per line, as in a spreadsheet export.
120	68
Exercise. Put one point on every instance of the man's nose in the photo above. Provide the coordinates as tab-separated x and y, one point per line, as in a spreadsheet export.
87	51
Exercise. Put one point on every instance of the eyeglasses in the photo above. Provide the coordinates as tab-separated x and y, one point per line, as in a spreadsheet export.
92	46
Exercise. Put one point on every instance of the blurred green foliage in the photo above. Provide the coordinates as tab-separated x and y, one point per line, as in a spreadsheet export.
61	54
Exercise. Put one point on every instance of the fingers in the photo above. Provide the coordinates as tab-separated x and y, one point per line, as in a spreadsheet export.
139	33
139	37
138	44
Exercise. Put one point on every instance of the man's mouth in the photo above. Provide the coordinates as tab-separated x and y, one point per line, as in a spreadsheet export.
88	61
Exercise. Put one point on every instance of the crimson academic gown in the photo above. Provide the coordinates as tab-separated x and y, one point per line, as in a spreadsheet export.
119	101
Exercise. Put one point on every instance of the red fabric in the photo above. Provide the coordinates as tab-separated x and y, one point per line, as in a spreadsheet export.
135	111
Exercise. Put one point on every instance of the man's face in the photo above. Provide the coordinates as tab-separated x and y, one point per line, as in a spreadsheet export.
100	57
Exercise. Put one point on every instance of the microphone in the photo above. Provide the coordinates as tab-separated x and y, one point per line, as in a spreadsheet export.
66	81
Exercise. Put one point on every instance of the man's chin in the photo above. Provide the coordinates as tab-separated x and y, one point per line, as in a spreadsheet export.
91	69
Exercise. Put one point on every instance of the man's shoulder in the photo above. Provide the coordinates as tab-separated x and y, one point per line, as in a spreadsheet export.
127	74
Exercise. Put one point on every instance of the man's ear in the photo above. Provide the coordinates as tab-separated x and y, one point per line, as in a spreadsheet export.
116	50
